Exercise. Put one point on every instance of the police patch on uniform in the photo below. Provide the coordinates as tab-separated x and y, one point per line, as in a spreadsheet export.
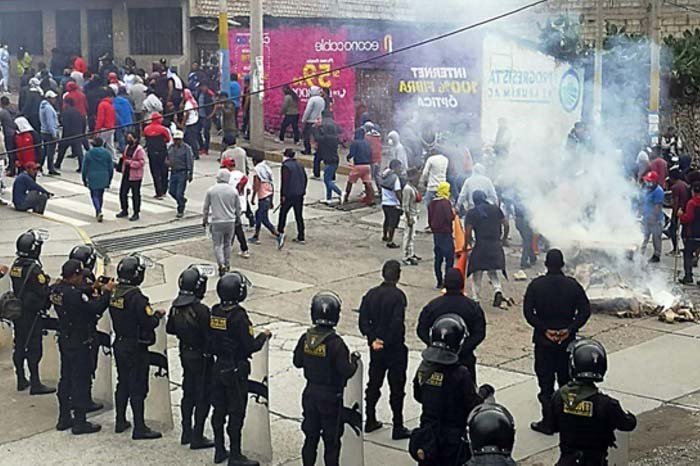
149	311
250	330
435	379
317	351
117	303
56	299
41	278
16	271
582	409
217	323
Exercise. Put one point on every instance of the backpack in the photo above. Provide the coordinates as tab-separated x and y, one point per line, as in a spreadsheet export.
11	304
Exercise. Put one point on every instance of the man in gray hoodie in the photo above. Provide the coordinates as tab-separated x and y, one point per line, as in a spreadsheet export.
312	114
222	212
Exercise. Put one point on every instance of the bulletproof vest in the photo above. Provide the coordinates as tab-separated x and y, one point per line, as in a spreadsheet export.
75	327
319	358
441	397
583	419
124	306
36	290
182	322
222	332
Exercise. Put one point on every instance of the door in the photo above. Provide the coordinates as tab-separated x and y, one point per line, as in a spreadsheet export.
373	87
68	32
99	35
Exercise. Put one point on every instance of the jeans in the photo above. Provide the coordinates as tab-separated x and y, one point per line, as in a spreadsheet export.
108	138
673	232
97	196
316	167
159	172
120	138
493	278
690	246
293	121
429	196
35	201
307	139
296	203
76	148
528	257
222	237
653	232
48	150
444	250
135	188
205	133
328	176
178	184
262	216
192	138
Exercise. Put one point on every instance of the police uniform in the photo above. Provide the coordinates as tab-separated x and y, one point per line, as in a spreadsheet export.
28	328
327	365
77	312
586	420
382	316
491	459
134	323
233	342
190	323
554	302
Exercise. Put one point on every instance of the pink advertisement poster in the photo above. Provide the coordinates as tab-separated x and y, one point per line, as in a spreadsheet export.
298	53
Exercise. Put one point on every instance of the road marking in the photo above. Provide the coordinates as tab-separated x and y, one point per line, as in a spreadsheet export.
64	219
109	197
79	207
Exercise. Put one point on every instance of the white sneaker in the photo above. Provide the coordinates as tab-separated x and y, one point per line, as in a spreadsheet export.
244	254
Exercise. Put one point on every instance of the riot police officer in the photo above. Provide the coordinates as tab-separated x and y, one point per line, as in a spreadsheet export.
87	256
491	430
31	286
233	342
447	394
585	418
77	312
134	323
327	365
189	321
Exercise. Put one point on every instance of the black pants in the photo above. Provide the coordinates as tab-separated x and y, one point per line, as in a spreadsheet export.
29	333
205	133
296	203
689	248
452	449
196	384
135	188
240	236
159	172
35	201
321	411
470	363
307	142
10	146
132	380
293	121
229	396
76	148
551	363
393	363
587	458
672	232
74	383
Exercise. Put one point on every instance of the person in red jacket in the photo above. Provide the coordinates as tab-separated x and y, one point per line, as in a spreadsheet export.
27	143
374	137
74	92
157	139
690	219
106	121
79	64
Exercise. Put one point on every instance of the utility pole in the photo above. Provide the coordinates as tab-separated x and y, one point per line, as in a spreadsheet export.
598	62
257	71
655	74
224	58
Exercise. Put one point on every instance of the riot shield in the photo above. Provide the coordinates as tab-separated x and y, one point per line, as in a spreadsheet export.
158	407
102	390
620	456
5	327
257	439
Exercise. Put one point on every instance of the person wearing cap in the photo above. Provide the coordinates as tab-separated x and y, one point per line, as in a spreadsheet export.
157	139
181	162
77	313
241	162
556	307
382	322
294	182
27	194
221	212
652	214
455	302
49	130
240	183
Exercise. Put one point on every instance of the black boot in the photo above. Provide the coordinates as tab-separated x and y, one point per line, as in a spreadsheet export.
371	424
186	410
65	421
199	441
120	402
82	426
237	458
220	452
399	432
141	430
22	383
35	385
543	426
92	406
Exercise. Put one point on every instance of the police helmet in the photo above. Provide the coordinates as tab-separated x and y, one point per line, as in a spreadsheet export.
587	360
131	270
446	337
86	254
193	286
232	287
491	429
325	309
29	244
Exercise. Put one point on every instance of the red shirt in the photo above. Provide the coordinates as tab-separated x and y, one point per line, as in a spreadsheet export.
440	216
25	152
79	65
375	142
106	116
79	100
660	166
679	193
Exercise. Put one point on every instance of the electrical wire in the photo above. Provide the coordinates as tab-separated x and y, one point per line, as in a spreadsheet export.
684	7
324	73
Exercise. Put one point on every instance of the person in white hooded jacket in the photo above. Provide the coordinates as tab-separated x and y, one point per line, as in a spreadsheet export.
312	114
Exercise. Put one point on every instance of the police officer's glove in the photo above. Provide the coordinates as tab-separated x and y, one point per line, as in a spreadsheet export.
486	391
355	356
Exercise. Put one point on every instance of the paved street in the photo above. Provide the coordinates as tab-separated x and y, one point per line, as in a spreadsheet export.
651	365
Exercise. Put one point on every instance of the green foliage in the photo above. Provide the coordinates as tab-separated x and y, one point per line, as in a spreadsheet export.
684	57
560	37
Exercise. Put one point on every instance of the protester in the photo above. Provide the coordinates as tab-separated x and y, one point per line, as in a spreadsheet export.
207	111
390	185
73	131
264	190
234	94
374	138
680	192
114	83
660	166
240	161
477	182
643	165
671	144
434	173
125	114
327	142
106	121
132	162
98	170
4	68
176	88
195	77
152	104
240	183
9	130
229	125
27	144
27	194
398	151
528	258
94	93
652	214
222	211
441	219
410	202
181	163
49	130
312	113
157	139
689	216
245	107
490	228
361	155
290	114
190	121
137	94
292	192
79	100
29	106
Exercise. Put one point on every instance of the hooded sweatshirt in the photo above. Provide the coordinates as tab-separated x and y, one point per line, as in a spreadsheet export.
48	118
398	151
477	182
79	99
31	103
157	135
221	203
123	109
315	106
138	94
106	116
152	104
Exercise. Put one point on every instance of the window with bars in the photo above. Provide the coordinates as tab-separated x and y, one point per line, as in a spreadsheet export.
155	31
22	28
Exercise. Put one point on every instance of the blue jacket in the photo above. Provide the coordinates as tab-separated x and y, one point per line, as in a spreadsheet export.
235	94
98	168
22	185
48	118
124	111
